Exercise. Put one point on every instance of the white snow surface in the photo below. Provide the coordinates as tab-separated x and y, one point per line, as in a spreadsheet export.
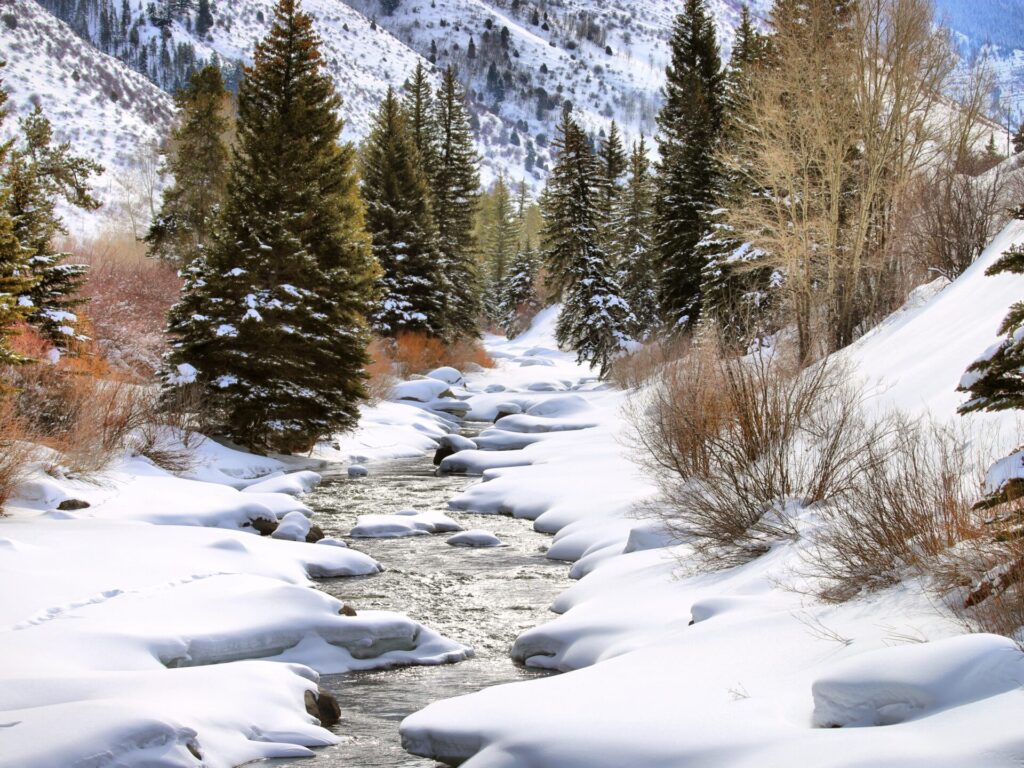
155	624
406	523
665	666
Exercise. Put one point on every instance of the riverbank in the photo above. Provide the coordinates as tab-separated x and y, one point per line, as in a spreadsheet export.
144	622
666	665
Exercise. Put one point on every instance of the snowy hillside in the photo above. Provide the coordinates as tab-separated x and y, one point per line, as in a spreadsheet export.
102	107
526	58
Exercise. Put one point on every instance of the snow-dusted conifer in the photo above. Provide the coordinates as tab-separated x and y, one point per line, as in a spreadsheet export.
197	161
456	189
16	277
636	255
421	118
690	124
401	223
500	236
519	299
736	292
270	326
39	176
594	317
612	162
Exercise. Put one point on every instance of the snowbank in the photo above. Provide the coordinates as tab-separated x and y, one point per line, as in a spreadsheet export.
665	667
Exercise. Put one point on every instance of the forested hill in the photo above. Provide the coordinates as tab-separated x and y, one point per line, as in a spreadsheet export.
520	59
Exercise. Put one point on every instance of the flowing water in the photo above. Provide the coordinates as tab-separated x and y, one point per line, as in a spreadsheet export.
481	597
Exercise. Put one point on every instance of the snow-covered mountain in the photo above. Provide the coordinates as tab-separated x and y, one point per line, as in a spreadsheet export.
520	60
106	110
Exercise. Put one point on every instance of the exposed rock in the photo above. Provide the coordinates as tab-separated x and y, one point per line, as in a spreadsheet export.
323	706
507	409
264	525
72	504
315	534
346	610
357	470
193	749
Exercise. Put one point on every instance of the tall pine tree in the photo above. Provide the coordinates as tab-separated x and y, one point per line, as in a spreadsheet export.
40	175
271	323
16	278
401	223
501	234
690	123
636	256
594	319
612	163
421	117
456	188
736	291
519	299
197	160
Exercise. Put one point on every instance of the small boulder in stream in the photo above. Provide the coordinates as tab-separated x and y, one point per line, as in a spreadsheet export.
450	444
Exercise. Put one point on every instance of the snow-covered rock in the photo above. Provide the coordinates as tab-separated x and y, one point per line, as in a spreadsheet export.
406	523
474	538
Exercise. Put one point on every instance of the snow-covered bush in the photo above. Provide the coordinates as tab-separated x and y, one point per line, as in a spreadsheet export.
737	444
910	512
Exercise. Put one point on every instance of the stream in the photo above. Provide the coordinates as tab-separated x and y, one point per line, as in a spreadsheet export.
481	597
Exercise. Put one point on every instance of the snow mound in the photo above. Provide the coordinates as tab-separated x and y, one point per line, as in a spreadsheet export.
406	523
293	484
447	374
893	685
420	390
476	462
474	538
294	527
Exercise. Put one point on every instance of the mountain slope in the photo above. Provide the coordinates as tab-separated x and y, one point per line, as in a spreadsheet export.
95	102
527	58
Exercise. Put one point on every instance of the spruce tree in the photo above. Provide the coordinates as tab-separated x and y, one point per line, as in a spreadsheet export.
500	238
690	122
612	161
637	257
204	18
197	160
401	223
16	278
456	190
421	117
41	175
594	318
1018	140
519	300
271	326
736	293
995	381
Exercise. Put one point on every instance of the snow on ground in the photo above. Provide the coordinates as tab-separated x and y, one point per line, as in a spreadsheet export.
146	623
667	667
408	522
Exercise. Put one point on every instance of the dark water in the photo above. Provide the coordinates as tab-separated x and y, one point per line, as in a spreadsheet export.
481	597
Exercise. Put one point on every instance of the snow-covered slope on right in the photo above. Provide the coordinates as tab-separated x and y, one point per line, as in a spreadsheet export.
917	356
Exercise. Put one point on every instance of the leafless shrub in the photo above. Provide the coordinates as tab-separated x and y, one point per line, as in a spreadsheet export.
16	453
736	443
908	509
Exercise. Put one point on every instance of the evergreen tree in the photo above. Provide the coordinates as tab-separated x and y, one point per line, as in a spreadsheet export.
637	258
401	223
198	162
995	381
594	317
204	18
1018	140
456	199
519	300
690	122
40	175
271	324
16	278
421	117
500	238
612	161
735	291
